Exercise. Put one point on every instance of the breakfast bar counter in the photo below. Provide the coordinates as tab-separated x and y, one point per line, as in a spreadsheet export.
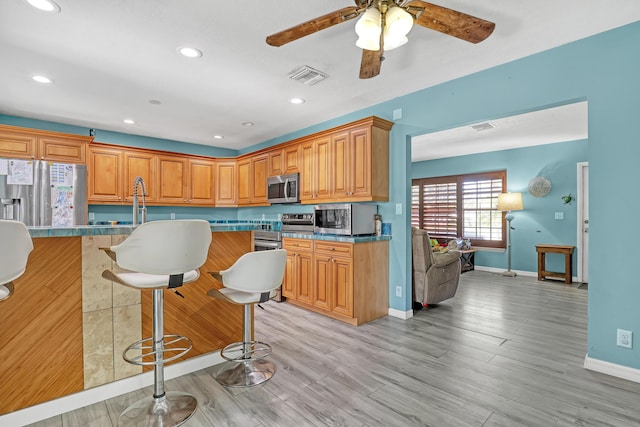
65	327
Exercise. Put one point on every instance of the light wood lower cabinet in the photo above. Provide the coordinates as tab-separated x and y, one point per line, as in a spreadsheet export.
346	281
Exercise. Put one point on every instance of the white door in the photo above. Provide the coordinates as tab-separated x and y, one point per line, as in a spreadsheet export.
583	222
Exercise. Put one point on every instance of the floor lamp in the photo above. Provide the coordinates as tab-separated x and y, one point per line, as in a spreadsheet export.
509	202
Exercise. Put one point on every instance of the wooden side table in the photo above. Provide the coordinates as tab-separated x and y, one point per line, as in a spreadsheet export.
467	261
555	249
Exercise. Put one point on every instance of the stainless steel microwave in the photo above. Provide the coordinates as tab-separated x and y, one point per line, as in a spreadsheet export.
283	188
349	219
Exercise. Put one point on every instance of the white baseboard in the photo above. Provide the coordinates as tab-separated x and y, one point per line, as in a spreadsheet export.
620	371
97	394
500	270
404	315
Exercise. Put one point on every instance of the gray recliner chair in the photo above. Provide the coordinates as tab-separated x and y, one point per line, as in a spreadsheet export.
435	275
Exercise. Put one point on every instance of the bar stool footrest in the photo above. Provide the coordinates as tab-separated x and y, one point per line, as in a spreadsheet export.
236	352
175	346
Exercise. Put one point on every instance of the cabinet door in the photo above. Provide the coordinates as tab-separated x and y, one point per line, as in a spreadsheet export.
290	276
172	177
323	168
201	182
305	277
360	163
340	146
104	171
291	156
61	149
17	145
140	164
259	179
225	183
244	181
276	163
342	286
307	176
323	267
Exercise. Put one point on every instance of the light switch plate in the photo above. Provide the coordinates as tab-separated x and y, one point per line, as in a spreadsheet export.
559	215
398	208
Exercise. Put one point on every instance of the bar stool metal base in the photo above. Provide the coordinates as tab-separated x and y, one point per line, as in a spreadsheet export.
245	374
172	409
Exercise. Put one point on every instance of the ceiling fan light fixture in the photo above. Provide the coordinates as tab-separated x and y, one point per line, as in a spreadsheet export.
368	29
398	23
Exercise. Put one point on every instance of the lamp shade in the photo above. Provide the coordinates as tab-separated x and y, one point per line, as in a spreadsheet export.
368	29
398	23
510	202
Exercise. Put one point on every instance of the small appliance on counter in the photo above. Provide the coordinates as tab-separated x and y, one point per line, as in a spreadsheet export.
300	223
347	219
283	188
43	193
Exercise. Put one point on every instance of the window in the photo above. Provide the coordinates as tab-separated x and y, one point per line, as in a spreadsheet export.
460	206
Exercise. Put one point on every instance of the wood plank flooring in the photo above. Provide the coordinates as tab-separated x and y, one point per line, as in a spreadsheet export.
502	352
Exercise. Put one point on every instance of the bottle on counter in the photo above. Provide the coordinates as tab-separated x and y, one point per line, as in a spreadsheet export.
378	220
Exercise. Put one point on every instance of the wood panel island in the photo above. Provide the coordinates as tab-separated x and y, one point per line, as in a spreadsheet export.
65	327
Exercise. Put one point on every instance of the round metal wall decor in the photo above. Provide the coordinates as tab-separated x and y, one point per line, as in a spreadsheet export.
539	186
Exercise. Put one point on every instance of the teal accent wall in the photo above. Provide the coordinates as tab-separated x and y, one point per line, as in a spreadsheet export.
602	69
118	138
536	224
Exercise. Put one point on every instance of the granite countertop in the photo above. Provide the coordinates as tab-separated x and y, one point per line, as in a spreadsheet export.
107	229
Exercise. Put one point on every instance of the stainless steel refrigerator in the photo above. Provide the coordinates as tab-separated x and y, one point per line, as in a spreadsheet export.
43	193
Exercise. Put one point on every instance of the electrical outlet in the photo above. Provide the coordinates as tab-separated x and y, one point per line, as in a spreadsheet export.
398	208
559	215
172	215
625	338
92	216
399	291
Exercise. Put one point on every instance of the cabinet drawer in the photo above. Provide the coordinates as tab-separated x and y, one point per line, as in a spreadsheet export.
297	244
333	248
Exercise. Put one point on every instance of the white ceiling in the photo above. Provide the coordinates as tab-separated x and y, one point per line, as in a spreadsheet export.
558	124
109	58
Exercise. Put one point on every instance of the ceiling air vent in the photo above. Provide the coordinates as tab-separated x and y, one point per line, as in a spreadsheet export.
307	75
483	126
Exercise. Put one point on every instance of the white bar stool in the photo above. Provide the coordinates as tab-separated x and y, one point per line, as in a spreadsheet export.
158	255
252	279
14	252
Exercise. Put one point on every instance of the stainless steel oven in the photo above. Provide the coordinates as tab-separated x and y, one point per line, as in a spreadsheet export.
264	240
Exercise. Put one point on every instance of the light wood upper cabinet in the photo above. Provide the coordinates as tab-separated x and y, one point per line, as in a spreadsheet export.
140	164
68	149
105	172
201	190
172	179
283	160
25	143
275	162
316	170
226	187
252	180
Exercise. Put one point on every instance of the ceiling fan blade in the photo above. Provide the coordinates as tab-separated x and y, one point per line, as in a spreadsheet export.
314	25
371	62
451	22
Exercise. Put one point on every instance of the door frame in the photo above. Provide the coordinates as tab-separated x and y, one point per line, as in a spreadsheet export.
580	236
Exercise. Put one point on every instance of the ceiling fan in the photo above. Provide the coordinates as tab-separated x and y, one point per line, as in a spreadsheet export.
385	24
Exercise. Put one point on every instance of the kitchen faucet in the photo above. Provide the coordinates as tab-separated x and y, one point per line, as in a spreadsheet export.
139	211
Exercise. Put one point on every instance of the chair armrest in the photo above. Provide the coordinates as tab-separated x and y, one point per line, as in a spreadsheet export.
109	253
444	259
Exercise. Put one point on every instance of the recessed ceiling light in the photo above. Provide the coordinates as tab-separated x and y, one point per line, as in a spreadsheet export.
154	102
296	101
129	121
218	136
46	5
42	79
190	52
247	123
